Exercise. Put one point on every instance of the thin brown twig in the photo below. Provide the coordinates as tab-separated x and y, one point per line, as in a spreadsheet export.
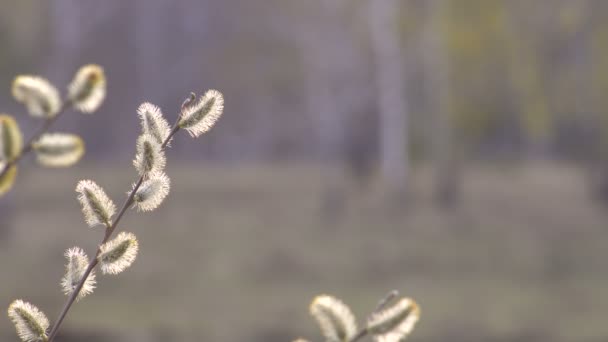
386	300
381	305
109	230
29	144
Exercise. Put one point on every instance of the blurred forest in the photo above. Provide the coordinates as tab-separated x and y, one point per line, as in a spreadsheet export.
366	83
486	122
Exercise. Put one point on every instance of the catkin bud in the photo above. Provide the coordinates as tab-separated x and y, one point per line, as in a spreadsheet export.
152	192
74	271
153	122
8	179
38	95
393	324
11	140
97	207
58	149
201	116
30	322
150	157
335	319
118	254
87	90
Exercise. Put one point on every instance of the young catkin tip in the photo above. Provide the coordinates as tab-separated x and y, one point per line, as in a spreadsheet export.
58	149
38	95
201	116
30	322
87	90
74	271
152	191
150	157
118	254
394	323
8	179
11	139
97	207
335	319
153	122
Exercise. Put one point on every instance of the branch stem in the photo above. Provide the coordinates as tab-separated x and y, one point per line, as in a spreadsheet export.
381	305
361	334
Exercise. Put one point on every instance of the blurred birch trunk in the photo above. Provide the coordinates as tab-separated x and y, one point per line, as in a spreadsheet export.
390	89
443	142
322	53
529	90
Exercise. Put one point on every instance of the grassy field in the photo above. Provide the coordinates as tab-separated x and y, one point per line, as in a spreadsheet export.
236	253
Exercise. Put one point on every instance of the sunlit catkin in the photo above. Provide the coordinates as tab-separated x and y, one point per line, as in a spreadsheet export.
150	157
335	319
394	323
38	95
153	122
97	207
11	139
152	192
58	149
87	90
74	271
201	116
118	254
30	322
8	179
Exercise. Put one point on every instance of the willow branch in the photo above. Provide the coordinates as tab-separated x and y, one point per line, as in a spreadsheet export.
29	144
109	231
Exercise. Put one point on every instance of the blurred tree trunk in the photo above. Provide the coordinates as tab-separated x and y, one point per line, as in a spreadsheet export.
150	36
321	54
321	100
320	50
390	90
588	99
444	144
529	91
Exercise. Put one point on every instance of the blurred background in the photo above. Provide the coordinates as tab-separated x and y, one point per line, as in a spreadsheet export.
455	150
